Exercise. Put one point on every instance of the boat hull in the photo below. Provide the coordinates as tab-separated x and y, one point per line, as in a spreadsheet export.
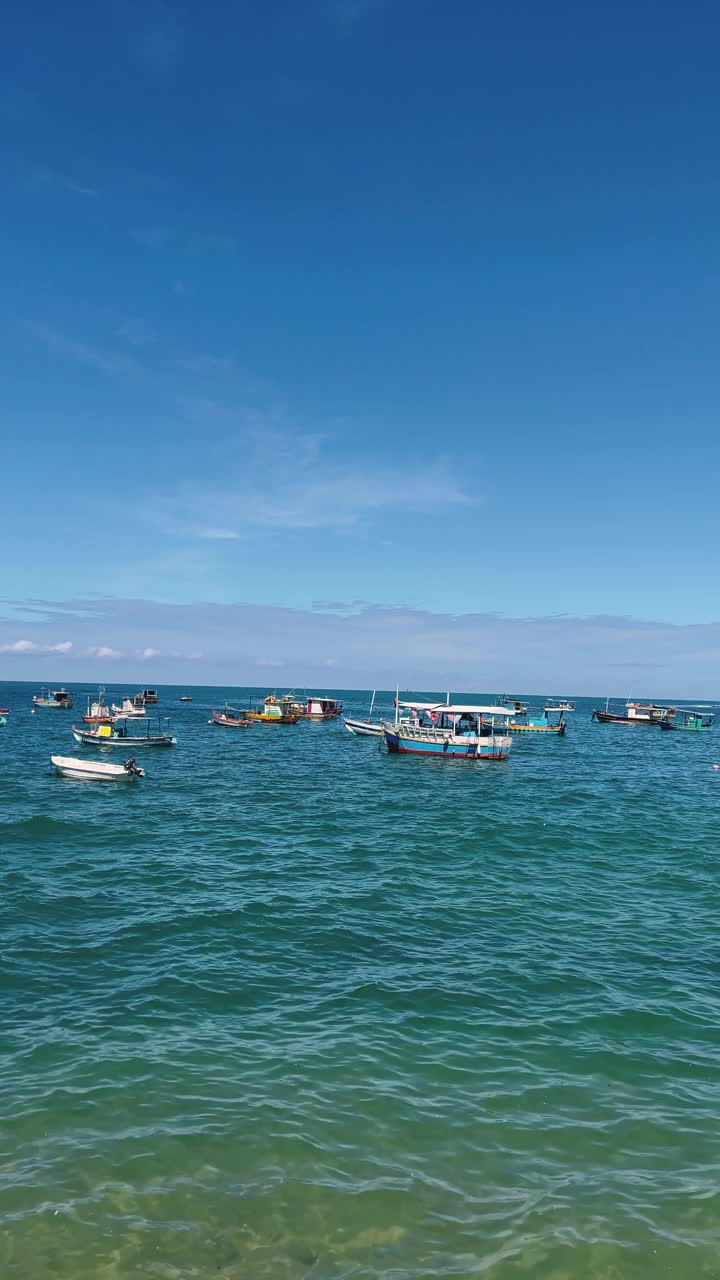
263	719
229	722
608	717
556	730
92	771
128	742
42	702
685	728
363	728
444	747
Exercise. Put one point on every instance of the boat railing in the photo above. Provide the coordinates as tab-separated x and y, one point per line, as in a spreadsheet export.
434	734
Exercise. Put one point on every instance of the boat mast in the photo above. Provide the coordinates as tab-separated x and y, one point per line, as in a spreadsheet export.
372	704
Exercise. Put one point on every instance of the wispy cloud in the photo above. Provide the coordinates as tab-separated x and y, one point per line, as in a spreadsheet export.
105	651
135	331
62	344
42	179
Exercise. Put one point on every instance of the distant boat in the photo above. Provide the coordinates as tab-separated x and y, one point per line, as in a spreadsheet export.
229	718
275	710
184	697
131	708
516	705
120	735
96	770
636	713
98	712
148	695
447	731
559	704
321	708
689	720
364	728
551	722
53	698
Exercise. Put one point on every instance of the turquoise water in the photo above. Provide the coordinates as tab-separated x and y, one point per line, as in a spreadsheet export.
293	1008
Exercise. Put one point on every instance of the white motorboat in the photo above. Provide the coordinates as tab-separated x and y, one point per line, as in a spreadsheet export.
96	770
131	709
364	728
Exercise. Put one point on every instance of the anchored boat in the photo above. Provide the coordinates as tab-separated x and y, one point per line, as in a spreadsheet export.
551	722
96	770
98	712
148	695
559	704
636	713
149	734
53	698
456	732
275	710
689	720
364	728
321	708
229	718
130	709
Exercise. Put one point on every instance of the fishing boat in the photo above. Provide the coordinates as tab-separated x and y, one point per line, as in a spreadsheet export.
53	698
551	722
184	697
150	734
148	695
130	709
364	728
321	708
689	720
96	770
229	718
516	705
275	710
455	732
559	704
98	712
636	713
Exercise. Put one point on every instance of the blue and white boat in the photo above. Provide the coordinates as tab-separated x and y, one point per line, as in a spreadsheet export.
463	731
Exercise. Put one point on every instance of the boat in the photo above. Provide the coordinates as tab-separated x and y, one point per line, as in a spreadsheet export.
516	705
148	695
130	709
462	731
635	713
551	722
364	728
149	734
559	704
98	712
229	718
275	710
689	720
96	770
184	697
53	698
321	708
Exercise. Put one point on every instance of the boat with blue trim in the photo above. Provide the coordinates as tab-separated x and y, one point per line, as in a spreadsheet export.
551	722
689	720
451	731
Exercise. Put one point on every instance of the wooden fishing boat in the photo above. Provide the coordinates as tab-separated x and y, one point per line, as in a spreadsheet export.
96	770
551	723
148	695
646	713
275	710
448	731
98	712
689	720
364	728
321	708
53	698
516	705
229	718
149	734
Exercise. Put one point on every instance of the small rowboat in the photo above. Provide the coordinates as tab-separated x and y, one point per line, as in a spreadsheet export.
230	719
364	728
96	770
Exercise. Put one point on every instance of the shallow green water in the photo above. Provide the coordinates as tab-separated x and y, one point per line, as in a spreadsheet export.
295	1008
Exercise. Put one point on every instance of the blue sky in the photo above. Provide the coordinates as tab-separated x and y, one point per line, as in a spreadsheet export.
356	306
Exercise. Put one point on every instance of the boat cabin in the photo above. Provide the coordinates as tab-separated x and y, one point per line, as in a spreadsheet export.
321	708
457	720
648	711
53	698
148	695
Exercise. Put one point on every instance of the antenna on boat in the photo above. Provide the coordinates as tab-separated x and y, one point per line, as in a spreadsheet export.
397	703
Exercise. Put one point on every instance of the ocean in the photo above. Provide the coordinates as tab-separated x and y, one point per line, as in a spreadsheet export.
291	1007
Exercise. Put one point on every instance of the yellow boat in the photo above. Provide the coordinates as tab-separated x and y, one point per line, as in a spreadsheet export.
275	711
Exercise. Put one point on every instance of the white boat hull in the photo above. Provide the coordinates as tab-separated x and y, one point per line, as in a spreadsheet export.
93	770
363	728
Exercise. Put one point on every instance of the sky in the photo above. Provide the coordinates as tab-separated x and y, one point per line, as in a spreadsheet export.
361	340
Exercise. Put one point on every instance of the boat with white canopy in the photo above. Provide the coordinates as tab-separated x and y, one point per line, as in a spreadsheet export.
457	731
151	733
